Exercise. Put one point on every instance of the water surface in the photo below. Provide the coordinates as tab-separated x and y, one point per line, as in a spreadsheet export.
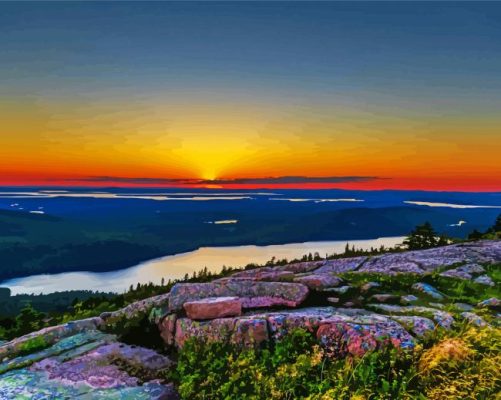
176	266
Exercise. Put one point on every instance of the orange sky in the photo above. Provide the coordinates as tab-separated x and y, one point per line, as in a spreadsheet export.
65	143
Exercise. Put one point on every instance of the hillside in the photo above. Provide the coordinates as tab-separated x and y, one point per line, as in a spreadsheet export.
106	234
353	309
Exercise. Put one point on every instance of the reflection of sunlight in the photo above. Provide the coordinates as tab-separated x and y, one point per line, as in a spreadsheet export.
460	223
157	197
299	200
448	205
223	221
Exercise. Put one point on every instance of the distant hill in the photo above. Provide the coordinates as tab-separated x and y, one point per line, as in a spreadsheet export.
103	234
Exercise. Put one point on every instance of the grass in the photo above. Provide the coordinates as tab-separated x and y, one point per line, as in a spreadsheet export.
458	364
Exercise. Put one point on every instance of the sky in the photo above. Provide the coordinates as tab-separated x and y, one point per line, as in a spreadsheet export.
396	95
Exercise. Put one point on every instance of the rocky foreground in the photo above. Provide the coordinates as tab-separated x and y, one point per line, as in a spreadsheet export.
349	313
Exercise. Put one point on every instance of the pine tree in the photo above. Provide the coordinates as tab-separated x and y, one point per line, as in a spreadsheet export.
497	225
28	320
422	237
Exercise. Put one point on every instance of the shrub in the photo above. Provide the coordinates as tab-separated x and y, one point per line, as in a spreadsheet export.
459	364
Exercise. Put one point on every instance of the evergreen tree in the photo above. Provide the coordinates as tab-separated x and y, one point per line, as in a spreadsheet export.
497	225
422	237
475	235
28	320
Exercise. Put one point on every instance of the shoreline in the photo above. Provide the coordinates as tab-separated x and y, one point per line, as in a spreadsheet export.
175	266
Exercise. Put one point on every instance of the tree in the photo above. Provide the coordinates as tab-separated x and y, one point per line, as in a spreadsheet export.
497	225
475	235
422	237
347	249
28	320
492	231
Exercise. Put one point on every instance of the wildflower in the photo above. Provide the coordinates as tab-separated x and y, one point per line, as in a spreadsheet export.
446	352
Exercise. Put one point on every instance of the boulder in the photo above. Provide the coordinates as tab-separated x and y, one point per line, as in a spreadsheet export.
428	290
89	365
342	338
318	281
385	298
442	318
472	268
252	294
408	299
422	261
47	336
153	307
485	251
255	328
465	271
213	307
263	274
492	303
249	332
474	319
390	264
484	280
431	259
419	326
214	330
339	290
280	323
167	328
341	265
457	273
300	267
367	287
463	306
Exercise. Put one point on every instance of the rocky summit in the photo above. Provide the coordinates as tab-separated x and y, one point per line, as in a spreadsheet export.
352	306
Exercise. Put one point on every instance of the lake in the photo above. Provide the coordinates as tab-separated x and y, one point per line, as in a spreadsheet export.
176	266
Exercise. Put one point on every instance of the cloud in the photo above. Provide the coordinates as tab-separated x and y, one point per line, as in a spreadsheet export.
235	181
291	180
147	181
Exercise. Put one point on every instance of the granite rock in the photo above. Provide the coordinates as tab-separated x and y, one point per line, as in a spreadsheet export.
252	294
428	290
317	281
474	319
213	307
484	280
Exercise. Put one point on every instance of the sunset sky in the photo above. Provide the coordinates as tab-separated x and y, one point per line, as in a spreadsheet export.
351	95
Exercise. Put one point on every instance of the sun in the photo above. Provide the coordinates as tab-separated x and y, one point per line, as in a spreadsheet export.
209	175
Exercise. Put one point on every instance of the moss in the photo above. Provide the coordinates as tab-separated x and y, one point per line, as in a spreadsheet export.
466	291
33	344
